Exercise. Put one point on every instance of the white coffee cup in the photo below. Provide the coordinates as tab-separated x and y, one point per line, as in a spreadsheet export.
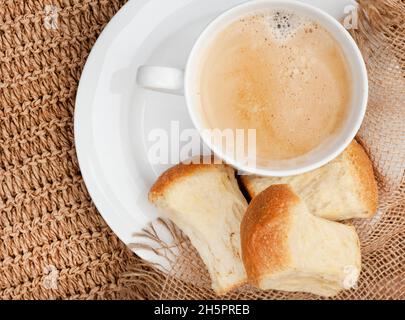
172	80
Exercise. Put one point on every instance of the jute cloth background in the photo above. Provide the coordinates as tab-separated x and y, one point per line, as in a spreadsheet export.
49	227
381	37
48	224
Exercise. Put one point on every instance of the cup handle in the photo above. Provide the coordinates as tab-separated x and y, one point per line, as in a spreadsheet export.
162	79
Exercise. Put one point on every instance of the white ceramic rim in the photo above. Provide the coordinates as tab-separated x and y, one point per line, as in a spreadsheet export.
235	11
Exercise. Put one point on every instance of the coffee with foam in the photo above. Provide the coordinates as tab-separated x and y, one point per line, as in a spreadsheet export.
280	73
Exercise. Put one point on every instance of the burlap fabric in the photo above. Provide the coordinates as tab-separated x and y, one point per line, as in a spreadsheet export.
381	37
49	228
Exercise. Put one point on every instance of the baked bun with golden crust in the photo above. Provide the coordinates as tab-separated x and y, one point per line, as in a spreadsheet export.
205	202
342	189
285	247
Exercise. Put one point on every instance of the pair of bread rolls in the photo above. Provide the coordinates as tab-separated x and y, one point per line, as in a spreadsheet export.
281	240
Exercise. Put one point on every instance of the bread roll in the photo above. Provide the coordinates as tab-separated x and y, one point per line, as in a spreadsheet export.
343	189
285	247
205	202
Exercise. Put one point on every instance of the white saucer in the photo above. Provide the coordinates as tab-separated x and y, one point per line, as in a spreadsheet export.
113	117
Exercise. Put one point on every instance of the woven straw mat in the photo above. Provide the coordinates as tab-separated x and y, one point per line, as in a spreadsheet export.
53	242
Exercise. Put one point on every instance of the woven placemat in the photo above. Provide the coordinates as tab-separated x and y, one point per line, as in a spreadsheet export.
53	242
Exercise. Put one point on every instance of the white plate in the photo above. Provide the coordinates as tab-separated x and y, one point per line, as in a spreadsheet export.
113	117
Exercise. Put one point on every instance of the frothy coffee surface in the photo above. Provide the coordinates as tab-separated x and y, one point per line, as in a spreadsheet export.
281	74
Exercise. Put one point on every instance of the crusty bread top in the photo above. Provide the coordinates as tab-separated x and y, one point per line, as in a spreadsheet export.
267	219
363	170
180	171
